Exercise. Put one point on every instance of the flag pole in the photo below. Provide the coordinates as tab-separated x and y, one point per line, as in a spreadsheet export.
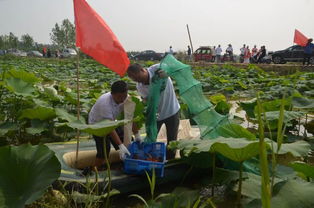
78	103
187	27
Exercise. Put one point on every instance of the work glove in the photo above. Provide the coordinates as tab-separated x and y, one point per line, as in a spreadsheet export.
123	152
138	138
161	73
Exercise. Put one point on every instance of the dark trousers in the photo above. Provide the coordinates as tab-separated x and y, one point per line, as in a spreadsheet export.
172	126
306	58
100	143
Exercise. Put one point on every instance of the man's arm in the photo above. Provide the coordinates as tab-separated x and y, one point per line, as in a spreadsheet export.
115	137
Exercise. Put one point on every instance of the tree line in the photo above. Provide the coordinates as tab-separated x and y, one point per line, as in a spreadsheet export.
62	36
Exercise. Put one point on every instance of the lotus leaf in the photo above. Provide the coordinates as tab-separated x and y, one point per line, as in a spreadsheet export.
64	115
306	169
293	193
248	107
236	149
19	87
235	131
101	128
6	127
39	112
37	127
297	149
27	172
302	102
23	75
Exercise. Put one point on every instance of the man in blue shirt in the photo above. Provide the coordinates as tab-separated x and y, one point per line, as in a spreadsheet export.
308	51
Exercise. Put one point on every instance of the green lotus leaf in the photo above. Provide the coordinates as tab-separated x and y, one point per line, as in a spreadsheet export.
293	193
236	149
288	115
39	112
297	149
26	173
303	103
101	128
306	169
215	99
37	127
188	146
6	127
23	75
248	107
235	131
19	87
64	115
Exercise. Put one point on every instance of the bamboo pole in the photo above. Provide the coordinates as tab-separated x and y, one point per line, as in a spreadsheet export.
78	103
187	27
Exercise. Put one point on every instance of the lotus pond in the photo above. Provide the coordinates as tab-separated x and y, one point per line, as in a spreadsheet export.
266	161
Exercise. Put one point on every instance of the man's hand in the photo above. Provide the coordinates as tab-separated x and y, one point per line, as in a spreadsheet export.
161	73
138	138
123	151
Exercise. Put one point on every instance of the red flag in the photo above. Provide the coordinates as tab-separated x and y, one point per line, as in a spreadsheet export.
299	38
95	38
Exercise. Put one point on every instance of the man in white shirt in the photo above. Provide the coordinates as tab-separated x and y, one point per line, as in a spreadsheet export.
229	51
109	106
168	107
242	52
218	54
171	50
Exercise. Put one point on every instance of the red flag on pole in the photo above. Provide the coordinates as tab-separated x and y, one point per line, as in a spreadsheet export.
299	38
95	38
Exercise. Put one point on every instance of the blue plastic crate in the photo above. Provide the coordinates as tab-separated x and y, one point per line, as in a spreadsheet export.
139	162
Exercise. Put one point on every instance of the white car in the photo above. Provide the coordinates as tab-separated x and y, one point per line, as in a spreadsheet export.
68	52
34	54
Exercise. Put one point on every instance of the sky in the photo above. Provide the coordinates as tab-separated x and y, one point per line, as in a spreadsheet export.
157	24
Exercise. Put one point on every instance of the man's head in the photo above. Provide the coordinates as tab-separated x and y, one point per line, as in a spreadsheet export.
137	73
119	91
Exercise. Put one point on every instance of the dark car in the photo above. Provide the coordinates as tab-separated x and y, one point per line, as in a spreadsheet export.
203	53
148	55
291	54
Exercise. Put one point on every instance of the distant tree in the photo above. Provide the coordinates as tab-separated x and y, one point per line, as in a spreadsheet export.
27	42
63	36
13	41
2	42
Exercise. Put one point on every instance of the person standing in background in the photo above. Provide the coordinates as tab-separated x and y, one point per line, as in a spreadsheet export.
247	55
254	51
229	51
170	50
213	54
189	52
218	54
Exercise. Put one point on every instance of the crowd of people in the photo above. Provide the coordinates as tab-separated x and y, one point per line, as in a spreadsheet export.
247	55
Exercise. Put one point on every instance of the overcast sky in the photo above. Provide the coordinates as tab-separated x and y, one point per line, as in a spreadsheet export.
148	24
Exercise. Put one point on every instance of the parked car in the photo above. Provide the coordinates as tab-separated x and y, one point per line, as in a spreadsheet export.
148	55
291	54
16	52
2	52
203	53
68	52
34	54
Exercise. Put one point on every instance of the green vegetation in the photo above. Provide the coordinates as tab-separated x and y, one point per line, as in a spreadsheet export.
259	166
